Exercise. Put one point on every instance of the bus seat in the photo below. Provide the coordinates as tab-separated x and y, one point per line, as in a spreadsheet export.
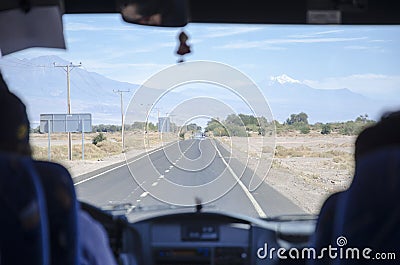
323	236
62	212
369	212
23	222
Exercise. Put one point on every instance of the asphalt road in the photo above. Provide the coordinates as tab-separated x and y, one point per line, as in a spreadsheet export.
181	172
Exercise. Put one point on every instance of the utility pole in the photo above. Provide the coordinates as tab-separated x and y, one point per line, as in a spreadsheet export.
158	121
172	122
68	68
147	116
158	112
120	92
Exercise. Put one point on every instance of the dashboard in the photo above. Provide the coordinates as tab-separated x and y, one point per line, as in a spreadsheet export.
190	237
193	238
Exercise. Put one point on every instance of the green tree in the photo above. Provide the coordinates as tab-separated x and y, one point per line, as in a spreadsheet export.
151	127
362	118
236	130
138	125
106	128
326	128
212	125
98	138
220	131
297	118
248	119
304	129
234	119
238	125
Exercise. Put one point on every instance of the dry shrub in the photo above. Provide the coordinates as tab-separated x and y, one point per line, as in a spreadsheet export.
92	152
109	148
300	151
267	149
60	152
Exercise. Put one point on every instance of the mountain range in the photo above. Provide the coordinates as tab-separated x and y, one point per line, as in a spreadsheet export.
287	95
43	87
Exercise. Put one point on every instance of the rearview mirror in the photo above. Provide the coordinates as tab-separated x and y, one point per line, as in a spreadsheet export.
163	13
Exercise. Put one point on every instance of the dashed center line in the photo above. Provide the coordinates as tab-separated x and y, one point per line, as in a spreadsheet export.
144	194
133	192
124	164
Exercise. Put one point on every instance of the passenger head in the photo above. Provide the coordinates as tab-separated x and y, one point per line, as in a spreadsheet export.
14	124
385	133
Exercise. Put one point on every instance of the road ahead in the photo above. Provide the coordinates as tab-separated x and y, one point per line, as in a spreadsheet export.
180	172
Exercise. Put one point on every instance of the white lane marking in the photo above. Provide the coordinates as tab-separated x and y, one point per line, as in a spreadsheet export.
125	164
166	171
98	175
171	167
161	177
137	201
258	208
154	184
144	194
130	194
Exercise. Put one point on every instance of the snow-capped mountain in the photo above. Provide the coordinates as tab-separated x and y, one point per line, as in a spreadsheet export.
286	95
43	87
283	79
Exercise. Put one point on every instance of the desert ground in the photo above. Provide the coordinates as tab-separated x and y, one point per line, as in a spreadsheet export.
306	168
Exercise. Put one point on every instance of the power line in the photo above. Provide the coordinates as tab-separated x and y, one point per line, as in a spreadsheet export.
68	68
22	63
91	77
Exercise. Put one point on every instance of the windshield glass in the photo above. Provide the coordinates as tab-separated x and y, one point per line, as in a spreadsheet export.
257	119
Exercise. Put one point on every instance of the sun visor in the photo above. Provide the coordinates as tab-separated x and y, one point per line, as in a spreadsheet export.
26	27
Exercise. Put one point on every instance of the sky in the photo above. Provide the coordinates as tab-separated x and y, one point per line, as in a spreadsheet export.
364	59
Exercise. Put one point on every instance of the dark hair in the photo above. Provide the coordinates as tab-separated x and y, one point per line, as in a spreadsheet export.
385	133
14	124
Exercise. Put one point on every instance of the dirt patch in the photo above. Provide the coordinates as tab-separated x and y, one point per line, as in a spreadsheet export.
305	168
105	153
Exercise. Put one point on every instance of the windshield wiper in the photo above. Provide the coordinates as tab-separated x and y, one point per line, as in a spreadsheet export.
292	217
124	208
